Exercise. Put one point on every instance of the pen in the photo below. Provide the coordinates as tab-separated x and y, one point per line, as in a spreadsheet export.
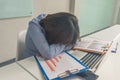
114	50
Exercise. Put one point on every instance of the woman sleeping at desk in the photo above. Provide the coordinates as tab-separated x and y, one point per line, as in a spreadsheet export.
50	35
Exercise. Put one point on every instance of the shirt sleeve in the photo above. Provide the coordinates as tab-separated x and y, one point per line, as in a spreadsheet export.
47	51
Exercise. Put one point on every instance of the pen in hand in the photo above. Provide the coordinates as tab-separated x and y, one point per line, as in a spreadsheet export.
114	50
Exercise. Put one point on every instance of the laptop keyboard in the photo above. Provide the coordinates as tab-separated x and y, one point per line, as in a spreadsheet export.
91	60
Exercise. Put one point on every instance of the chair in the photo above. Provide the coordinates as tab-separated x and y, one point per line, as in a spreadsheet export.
20	44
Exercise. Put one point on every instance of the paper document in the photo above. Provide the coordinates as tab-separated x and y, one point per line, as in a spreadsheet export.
92	45
60	65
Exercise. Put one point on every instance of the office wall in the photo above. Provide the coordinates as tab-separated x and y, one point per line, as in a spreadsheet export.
95	15
9	28
15	8
116	18
118	12
77	8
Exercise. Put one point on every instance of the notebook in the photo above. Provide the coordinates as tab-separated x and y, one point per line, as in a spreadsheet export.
61	66
92	45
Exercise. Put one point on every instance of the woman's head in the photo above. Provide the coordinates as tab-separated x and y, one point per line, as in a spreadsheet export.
60	28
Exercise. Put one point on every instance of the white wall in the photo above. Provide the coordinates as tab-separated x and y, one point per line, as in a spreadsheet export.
9	28
77	9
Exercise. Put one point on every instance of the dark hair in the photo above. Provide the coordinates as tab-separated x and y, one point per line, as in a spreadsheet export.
60	28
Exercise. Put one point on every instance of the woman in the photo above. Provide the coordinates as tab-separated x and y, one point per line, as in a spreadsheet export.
50	35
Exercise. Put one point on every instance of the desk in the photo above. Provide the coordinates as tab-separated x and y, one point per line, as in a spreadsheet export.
14	72
108	34
27	69
110	68
31	65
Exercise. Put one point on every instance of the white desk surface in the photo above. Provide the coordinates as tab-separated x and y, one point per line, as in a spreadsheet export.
31	65
108	34
14	72
110	68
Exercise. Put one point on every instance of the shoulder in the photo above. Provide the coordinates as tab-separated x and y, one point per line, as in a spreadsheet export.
41	16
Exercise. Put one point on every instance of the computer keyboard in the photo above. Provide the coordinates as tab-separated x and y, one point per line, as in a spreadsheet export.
91	60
